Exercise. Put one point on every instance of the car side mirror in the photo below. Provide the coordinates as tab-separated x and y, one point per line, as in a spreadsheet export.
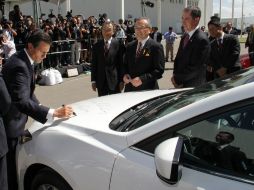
167	160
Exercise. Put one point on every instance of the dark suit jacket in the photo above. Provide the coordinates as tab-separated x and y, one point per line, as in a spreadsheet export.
250	43
158	38
5	102
107	69
20	82
190	62
149	66
228	55
231	158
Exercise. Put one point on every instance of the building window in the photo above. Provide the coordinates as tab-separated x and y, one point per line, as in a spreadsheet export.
193	3
172	1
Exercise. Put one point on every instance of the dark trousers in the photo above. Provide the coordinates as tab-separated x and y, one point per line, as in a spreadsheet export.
3	174
251	54
106	91
11	164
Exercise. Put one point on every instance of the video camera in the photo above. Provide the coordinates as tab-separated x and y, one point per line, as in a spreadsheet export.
102	18
69	15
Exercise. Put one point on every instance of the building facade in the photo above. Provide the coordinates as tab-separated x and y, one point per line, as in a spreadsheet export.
164	13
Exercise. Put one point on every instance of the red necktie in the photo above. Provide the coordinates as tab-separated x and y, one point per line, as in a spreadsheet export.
186	40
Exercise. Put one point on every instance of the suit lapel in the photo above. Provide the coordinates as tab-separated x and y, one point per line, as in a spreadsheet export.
111	47
146	47
22	55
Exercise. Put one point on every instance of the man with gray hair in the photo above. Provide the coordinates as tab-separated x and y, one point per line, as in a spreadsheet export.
144	59
107	59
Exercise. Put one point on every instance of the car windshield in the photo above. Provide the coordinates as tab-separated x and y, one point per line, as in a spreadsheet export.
158	107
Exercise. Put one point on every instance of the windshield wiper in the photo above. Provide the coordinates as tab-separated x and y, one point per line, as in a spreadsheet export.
121	123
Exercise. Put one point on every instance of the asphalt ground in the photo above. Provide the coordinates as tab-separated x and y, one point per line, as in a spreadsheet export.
79	88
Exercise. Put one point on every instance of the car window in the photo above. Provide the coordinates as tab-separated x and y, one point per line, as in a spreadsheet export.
222	143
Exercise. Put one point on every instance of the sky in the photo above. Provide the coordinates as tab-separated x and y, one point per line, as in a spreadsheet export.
226	8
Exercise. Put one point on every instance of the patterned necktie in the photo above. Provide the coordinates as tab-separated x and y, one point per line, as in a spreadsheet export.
139	49
186	39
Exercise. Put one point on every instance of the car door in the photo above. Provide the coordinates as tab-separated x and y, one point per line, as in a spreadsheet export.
217	154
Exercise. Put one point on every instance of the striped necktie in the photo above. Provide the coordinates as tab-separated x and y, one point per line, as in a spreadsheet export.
139	49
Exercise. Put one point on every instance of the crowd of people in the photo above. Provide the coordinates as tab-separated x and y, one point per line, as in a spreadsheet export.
72	36
125	56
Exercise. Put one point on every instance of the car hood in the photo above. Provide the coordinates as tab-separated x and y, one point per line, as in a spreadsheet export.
94	115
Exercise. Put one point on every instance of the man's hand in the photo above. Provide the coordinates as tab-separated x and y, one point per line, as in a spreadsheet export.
63	112
175	84
94	86
209	68
136	82
126	78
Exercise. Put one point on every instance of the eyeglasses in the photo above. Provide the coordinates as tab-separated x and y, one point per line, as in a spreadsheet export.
140	27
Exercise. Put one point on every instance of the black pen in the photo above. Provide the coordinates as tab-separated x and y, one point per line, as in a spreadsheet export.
74	113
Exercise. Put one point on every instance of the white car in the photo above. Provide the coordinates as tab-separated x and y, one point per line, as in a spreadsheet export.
178	139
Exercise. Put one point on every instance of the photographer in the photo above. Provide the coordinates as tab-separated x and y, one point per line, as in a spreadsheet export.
6	47
130	32
120	34
102	18
69	16
9	31
15	15
76	34
19	39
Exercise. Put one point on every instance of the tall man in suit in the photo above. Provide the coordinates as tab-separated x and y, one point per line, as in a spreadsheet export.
107	60
225	50
5	102
144	59
20	81
193	52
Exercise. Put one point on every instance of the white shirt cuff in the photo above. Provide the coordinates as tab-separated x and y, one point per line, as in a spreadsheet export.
50	114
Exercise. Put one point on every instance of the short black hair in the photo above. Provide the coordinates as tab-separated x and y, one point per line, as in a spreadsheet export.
15	6
215	20
38	36
195	11
230	135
